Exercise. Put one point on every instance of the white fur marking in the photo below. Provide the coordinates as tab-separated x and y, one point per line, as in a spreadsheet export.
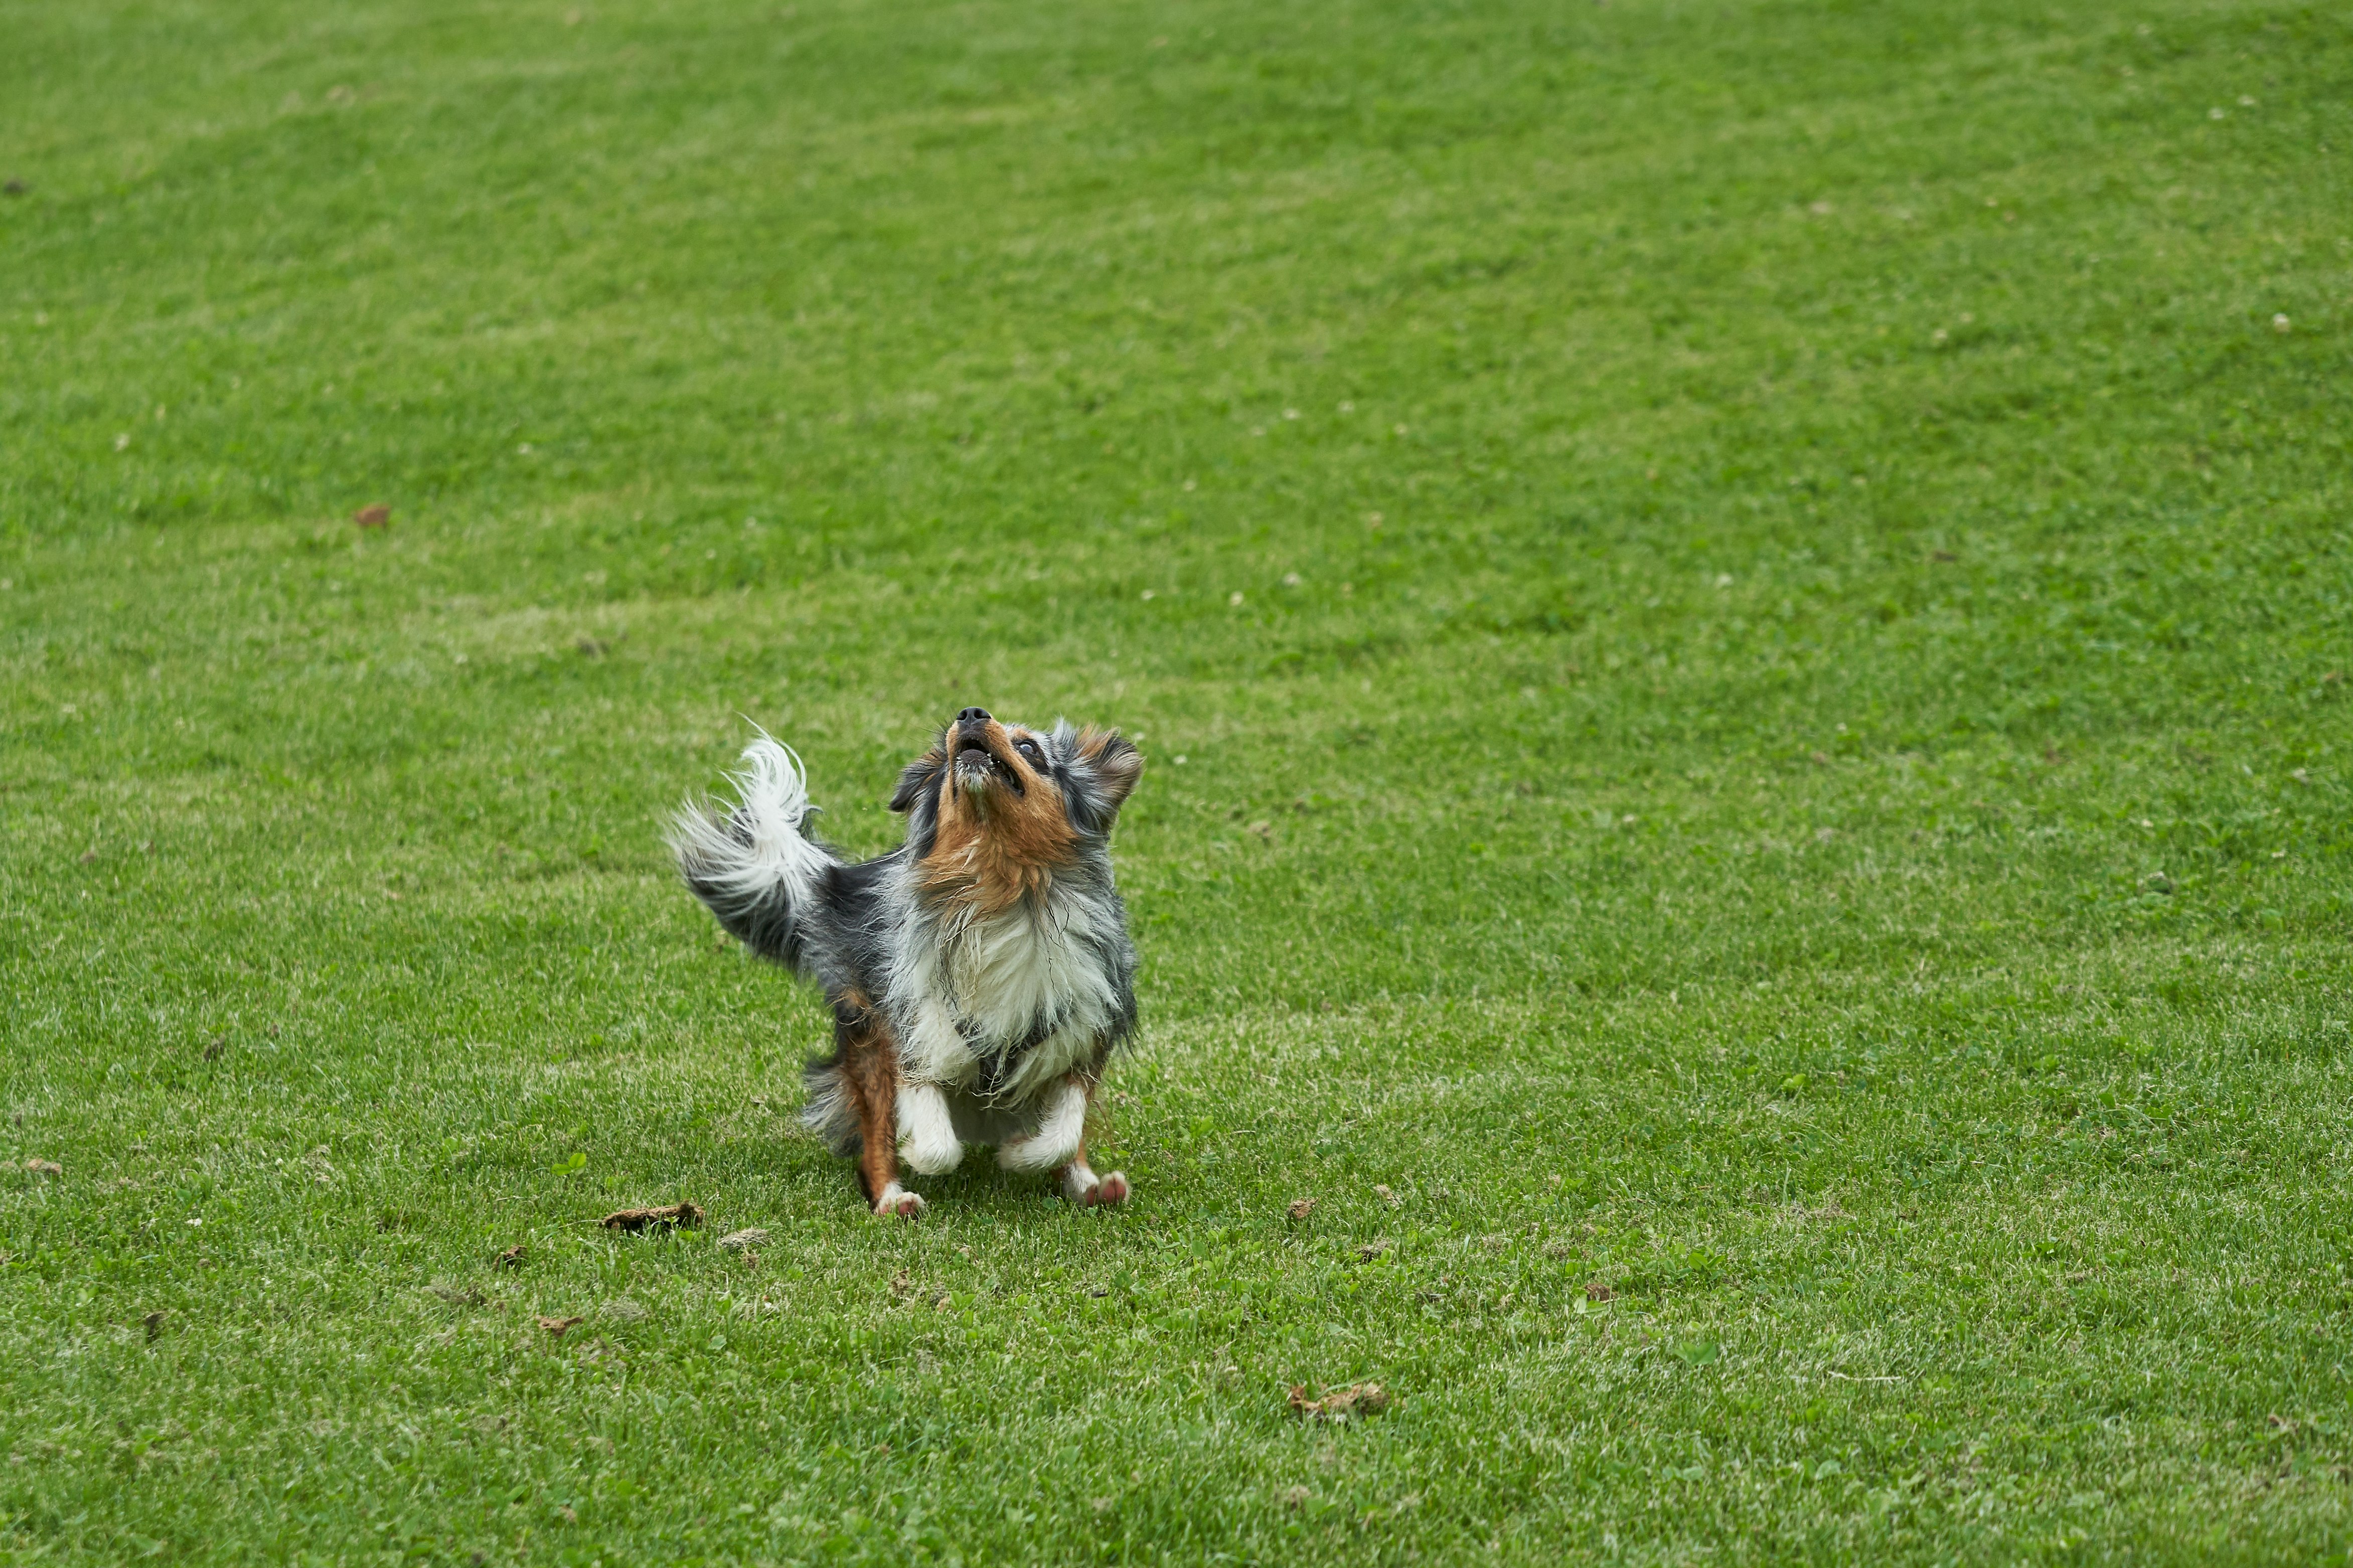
998	978
897	1203
1059	1133
1005	972
772	792
932	1050
926	1132
1033	1078
1087	1190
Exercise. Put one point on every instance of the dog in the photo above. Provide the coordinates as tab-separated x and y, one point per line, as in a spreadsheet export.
980	974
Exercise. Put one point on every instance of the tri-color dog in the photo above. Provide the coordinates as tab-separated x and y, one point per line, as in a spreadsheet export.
980	974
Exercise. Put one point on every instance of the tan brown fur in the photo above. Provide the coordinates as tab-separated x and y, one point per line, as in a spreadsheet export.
869	1066
994	852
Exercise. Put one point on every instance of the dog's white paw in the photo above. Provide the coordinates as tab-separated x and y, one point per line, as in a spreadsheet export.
897	1203
1087	1190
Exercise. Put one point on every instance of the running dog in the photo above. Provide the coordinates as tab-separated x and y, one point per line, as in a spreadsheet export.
980	974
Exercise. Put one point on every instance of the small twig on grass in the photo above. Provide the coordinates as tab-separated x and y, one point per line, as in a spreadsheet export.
641	1219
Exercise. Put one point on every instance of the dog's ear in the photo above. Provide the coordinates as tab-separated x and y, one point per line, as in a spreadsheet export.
1117	764
921	776
1109	767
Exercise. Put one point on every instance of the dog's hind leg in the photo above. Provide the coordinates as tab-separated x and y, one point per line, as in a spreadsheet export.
869	1066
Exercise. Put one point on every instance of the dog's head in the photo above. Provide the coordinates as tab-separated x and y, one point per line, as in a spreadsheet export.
994	809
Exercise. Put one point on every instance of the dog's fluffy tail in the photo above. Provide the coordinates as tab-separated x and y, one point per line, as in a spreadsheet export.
830	1113
751	864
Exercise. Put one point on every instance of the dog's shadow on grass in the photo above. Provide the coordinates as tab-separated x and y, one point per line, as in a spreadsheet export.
797	1176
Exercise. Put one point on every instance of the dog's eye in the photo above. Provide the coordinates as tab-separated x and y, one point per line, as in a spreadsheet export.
1028	749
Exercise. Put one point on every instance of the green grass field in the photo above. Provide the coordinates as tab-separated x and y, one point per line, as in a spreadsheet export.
1740	616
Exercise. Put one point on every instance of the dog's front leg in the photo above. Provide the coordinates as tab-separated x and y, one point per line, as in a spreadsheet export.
926	1132
1087	1190
1061	1131
1060	1144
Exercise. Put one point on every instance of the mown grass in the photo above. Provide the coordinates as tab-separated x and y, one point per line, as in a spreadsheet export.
1739	615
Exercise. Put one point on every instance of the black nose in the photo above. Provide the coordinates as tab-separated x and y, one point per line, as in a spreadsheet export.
972	716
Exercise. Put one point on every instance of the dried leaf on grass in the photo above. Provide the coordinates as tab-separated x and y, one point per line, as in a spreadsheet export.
556	1326
1340	1404
642	1219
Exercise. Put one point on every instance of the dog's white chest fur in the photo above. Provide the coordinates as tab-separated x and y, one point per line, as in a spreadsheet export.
1025	981
1029	976
1005	975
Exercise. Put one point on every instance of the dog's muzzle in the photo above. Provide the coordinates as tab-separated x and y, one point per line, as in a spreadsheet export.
975	764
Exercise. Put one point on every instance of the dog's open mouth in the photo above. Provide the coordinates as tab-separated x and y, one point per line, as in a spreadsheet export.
976	766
